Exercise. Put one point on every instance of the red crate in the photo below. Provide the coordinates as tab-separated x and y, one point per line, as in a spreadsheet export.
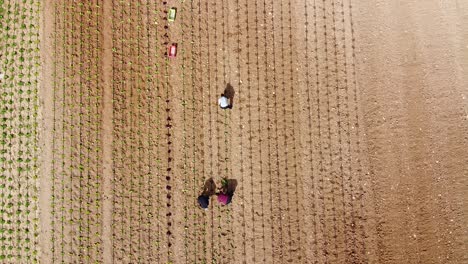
172	50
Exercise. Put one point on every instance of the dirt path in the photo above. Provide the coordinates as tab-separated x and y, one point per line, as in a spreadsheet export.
47	96
107	135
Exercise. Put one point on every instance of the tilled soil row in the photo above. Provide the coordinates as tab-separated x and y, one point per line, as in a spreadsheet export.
416	122
76	151
130	158
207	27
145	189
339	189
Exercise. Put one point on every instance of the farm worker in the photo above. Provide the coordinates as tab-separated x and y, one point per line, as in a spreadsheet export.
204	201
209	189
224	196
223	102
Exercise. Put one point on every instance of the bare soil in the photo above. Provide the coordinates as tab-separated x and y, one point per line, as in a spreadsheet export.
412	73
346	141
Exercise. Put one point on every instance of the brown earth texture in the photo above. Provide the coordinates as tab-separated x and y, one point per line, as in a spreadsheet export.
347	141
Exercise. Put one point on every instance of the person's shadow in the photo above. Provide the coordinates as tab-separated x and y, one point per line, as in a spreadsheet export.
209	188
231	186
229	93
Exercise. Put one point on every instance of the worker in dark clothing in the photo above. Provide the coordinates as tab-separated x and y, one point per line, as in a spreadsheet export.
204	201
208	189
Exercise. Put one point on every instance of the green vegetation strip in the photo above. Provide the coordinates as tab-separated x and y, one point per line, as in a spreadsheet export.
18	131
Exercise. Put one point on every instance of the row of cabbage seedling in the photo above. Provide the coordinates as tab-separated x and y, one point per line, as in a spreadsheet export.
76	203
18	126
128	57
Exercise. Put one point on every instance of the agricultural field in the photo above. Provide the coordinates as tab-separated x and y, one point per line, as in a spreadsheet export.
346	142
19	119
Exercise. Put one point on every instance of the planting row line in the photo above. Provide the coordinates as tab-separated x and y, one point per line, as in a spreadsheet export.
140	103
334	160
76	189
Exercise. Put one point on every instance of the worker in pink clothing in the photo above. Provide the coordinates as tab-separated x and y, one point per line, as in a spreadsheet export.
224	195
224	199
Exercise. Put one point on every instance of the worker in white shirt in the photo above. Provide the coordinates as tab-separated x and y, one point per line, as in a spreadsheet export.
223	102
